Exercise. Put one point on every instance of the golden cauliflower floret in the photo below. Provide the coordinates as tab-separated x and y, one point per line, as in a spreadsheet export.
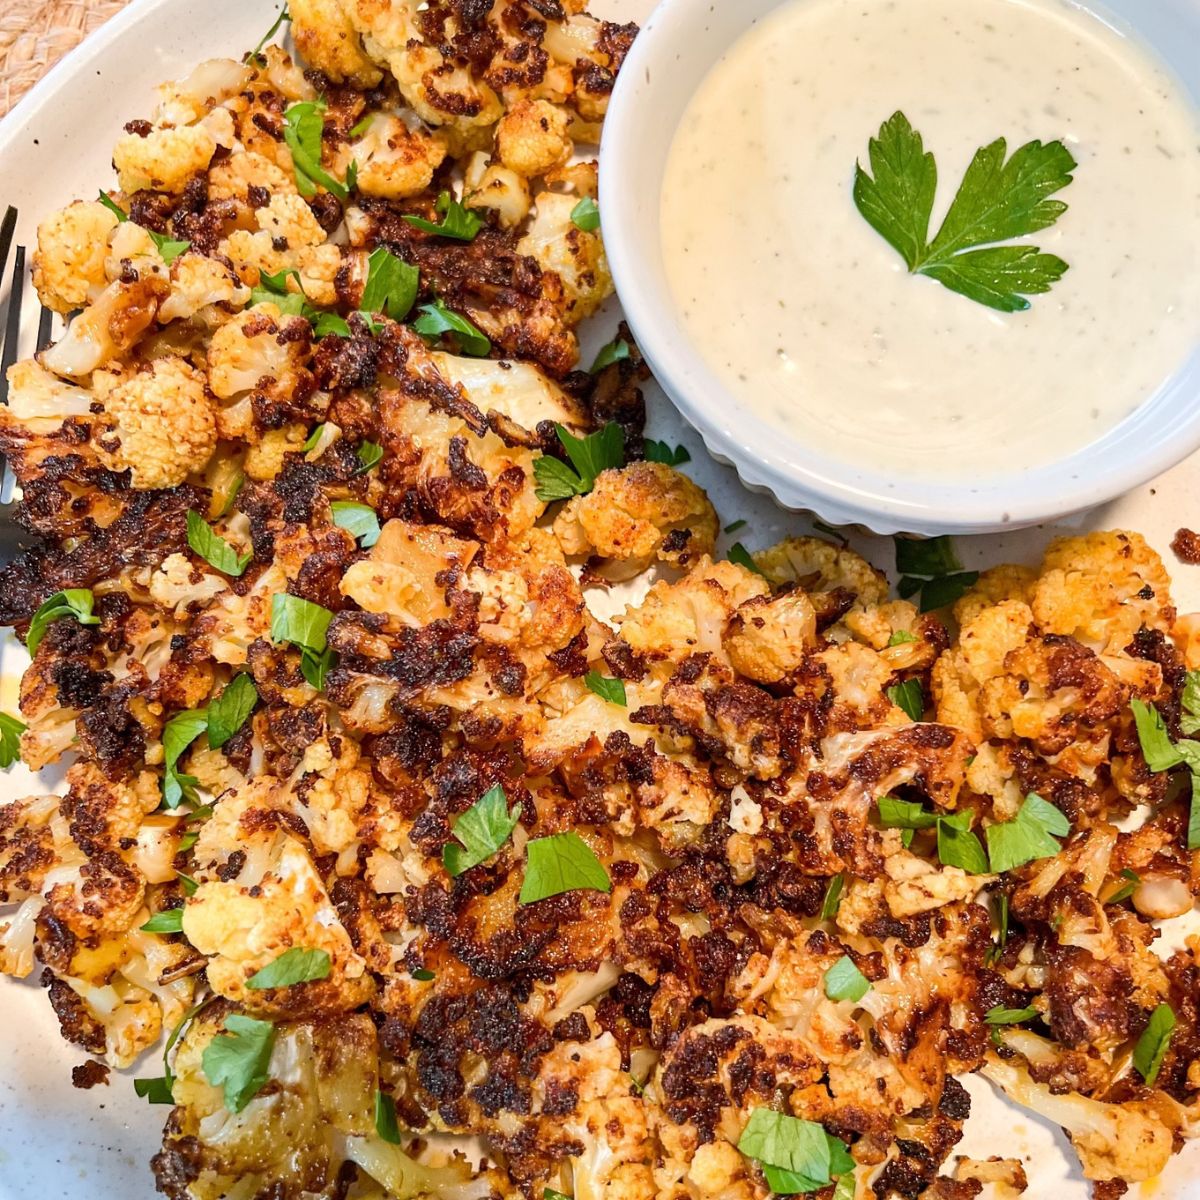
161	426
244	928
327	40
533	137
164	160
264	460
819	566
1007	582
444	94
639	513
197	282
286	217
1101	588
574	255
178	582
232	177
256	345
395	161
68	266
494	186
768	637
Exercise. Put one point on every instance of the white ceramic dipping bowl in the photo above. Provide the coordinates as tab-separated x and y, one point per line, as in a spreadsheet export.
677	47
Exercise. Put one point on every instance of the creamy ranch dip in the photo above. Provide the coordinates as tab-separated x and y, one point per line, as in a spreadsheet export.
811	317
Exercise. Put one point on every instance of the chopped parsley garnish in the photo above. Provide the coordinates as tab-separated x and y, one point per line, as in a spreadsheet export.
169	248
370	454
186	883
833	897
481	831
329	324
359	520
908	696
900	638
297	965
177	735
589	455
586	215
213	548
957	846
1008	1016
551	1194
357	130
1126	889
436	319
1030	835
391	285
154	1091
795	1155
660	452
1151	1047
303	129
904	814
169	920
612	690
830	532
457	222
1189	718
422	974
159	1090
256	54
1162	755
740	555
734	526
616	351
931	567
562	862
237	1060
996	949
72	602
997	201
228	712
10	740
385	1118
844	981
303	624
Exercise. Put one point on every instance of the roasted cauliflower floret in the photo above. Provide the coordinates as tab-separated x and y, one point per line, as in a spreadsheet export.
574	255
494	186
164	160
395	161
198	282
768	637
326	39
160	425
68	267
533	137
639	513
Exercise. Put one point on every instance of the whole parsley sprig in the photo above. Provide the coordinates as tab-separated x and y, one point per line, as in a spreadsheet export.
1000	198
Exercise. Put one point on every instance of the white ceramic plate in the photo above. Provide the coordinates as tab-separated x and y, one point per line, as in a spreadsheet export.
54	147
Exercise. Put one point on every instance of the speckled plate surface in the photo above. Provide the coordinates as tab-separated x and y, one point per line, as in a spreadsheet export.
56	1142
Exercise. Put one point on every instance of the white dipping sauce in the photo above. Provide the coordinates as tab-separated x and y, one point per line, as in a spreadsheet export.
812	319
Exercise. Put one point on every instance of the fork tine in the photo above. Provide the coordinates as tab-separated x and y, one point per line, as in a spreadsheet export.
44	333
7	228
12	329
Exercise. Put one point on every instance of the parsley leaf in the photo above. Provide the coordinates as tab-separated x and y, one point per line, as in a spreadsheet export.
740	555
177	735
391	285
833	897
303	129
551	1194
213	548
612	690
734	526
436	319
904	814
385	1118
303	624
169	249
941	593
10	740
844	981
900	638
660	452
957	846
1027	836
908	696
616	351
255	55
297	965
72	602
930	566
370	454
360	520
228	712
112	206
1151	1047
457	222
1000	198
586	215
481	830
158	1091
169	920
830	532
154	1091
1157	749
589	455
1189	718
997	947
422	974
562	862
1126	889
237	1060
796	1155
1008	1016
356	131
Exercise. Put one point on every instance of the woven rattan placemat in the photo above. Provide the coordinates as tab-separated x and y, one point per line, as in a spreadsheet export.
35	34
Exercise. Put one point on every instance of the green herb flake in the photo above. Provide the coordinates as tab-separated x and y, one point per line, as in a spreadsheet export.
169	920
590	455
1151	1047
996	949
734	526
830	532
169	249
238	1059
999	199
391	285
71	602
661	452
357	130
228	712
359	520
1189	718
616	351
436	319
612	690
1157	750
1009	1016
297	965
299	621
1130	880
177	735
457	222
941	593
904	814
844	981
795	1155
256	55
370	454
562	862
957	846
213	548
154	1091
833	897
551	1194
328	324
481	831
741	556
900	638
422	975
303	129
10	740
113	207
186	883
1030	835
909	697
386	1124
586	215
